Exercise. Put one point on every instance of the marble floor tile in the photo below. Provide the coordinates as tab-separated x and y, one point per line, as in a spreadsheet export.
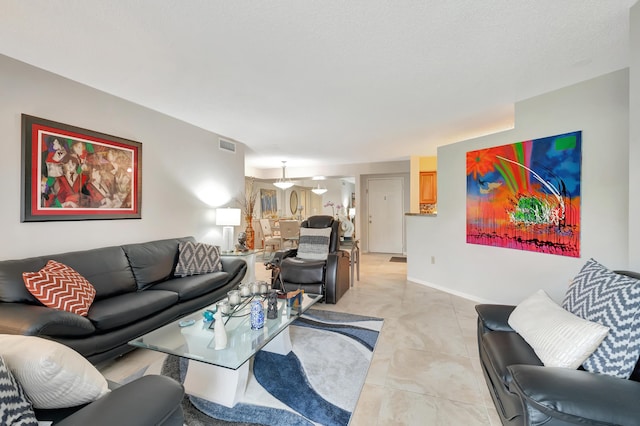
407	408
434	373
367	411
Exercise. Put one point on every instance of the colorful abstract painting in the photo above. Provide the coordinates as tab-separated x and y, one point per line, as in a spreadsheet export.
526	195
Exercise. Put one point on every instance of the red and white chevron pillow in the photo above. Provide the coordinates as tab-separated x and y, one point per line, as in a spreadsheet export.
60	287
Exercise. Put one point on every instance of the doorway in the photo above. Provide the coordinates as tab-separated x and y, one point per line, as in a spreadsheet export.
385	203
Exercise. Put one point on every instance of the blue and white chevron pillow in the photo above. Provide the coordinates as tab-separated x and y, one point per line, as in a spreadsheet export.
613	300
15	407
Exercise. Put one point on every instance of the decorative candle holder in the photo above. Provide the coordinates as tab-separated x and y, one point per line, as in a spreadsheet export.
223	307
245	290
234	297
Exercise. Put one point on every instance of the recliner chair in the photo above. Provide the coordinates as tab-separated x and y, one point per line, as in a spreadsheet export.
329	278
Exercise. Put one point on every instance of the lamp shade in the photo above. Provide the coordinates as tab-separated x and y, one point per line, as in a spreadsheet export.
319	190
228	217
283	184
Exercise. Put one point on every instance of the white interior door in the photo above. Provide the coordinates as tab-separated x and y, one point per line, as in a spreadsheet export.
386	215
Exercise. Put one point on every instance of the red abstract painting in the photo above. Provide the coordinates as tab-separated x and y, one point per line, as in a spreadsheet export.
526	195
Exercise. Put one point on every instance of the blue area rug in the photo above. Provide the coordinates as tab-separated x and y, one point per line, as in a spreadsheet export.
317	383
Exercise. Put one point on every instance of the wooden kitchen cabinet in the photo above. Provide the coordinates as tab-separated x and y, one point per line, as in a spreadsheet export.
428	188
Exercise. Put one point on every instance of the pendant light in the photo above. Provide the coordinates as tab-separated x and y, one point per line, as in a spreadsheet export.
283	183
319	190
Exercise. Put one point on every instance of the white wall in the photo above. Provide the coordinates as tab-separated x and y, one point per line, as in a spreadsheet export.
184	174
598	107
634	139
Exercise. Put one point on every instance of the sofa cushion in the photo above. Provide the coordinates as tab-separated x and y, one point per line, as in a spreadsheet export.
60	287
51	374
118	311
559	338
153	261
314	243
15	408
106	268
12	288
194	286
613	300
197	258
505	348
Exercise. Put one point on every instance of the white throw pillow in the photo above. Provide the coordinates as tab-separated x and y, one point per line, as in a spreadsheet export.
51	374
559	338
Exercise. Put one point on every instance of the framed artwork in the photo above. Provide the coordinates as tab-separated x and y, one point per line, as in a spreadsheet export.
526	195
69	173
268	202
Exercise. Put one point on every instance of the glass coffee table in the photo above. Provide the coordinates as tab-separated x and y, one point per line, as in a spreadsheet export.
221	375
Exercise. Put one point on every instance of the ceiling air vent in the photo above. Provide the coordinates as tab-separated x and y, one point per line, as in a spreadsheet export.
227	146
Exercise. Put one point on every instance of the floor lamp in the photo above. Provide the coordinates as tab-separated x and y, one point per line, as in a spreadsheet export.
227	218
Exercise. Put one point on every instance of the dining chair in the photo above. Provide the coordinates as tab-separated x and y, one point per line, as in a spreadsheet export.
268	239
289	232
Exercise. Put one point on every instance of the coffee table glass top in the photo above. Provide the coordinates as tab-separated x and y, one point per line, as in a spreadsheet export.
197	341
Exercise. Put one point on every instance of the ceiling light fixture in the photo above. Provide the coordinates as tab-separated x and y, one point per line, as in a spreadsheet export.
283	183
319	190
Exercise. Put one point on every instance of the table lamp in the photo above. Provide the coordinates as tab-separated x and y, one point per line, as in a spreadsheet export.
227	218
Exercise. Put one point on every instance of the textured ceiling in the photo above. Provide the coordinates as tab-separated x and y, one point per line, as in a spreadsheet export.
330	81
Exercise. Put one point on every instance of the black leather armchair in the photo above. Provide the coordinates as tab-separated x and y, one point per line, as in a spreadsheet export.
330	277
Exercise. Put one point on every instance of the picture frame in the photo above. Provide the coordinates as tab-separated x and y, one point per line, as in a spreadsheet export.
268	202
71	173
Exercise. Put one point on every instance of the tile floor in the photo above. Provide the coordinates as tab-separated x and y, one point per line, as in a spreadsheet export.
425	369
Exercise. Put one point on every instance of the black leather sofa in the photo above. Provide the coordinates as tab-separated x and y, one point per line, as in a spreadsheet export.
136	293
329	278
148	400
525	392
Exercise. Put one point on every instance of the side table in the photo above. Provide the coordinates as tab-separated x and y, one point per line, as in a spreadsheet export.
250	259
354	250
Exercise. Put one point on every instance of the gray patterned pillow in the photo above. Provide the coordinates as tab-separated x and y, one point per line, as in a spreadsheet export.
613	300
314	243
15	408
197	258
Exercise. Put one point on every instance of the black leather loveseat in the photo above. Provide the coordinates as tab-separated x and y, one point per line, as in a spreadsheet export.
136	292
525	392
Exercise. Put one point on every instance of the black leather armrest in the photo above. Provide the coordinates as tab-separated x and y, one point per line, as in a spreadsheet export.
570	396
232	265
335	282
281	254
495	317
34	320
149	400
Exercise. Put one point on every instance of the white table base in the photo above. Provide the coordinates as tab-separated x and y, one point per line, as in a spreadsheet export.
223	385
